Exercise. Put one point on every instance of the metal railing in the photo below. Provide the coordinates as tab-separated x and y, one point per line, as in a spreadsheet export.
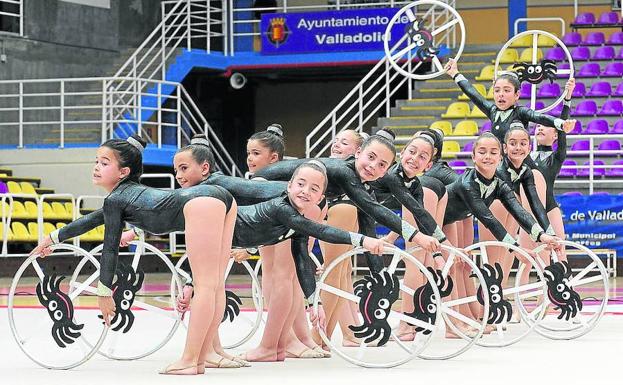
373	92
101	108
12	16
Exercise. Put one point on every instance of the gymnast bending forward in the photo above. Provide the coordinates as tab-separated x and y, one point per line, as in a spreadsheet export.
206	213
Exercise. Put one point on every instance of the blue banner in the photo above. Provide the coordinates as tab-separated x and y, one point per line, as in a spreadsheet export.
595	221
329	31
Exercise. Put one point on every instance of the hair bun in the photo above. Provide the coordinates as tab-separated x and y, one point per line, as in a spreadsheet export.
517	124
200	139
386	134
276	129
138	142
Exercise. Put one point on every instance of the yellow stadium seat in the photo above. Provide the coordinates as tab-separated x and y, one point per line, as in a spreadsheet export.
60	225
48	211
546	41
19	211
60	212
2	175
92	235
490	93
14	187
33	229
509	56
69	208
31	209
511	67
6	207
9	234
20	232
457	110
450	148
48	228
524	41
466	128
526	55
28	188
482	90
442	125
486	74
476	113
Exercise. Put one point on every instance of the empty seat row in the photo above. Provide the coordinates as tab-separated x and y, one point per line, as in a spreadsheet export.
597	127
20	232
606	148
592	38
582	53
24	188
458	110
570	172
510	55
29	210
592	70
462	128
588	19
526	41
612	107
600	89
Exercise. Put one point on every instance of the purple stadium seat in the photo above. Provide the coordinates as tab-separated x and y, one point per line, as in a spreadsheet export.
610	145
572	194
526	89
597	171
3	188
620	55
597	127
617	128
584	18
469	146
531	129
616	38
455	164
594	38
577	129
579	91
581	53
486	126
585	108
555	54
604	53
615	172
588	70
538	105
556	111
611	107
549	91
600	193
563	66
568	172
619	90
613	70
608	18
572	38
600	89
580	145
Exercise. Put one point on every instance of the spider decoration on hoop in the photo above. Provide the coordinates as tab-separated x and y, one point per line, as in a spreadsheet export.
424	299
377	293
124	291
499	308
423	40
536	73
559	291
60	309
232	306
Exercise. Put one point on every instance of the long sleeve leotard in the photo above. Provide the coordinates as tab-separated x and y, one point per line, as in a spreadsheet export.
523	177
344	181
501	120
473	194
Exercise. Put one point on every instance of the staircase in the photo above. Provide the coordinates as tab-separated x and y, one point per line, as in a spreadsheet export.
431	98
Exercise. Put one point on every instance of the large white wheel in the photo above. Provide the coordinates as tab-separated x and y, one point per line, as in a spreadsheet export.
375	294
421	39
533	89
440	347
145	319
576	301
506	299
49	321
238	325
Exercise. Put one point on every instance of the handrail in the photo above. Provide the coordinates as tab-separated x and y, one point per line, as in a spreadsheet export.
6	221
529	19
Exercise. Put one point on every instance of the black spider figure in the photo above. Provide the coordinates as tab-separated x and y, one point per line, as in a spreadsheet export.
232	306
377	293
60	309
499	308
559	291
124	291
423	40
536	73
424	299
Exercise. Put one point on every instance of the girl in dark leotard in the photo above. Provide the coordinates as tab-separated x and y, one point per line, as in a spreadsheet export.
503	111
206	213
549	162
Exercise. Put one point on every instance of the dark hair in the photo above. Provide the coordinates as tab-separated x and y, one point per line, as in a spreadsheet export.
272	139
429	137
200	150
129	154
511	77
516	125
486	135
385	136
314	165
